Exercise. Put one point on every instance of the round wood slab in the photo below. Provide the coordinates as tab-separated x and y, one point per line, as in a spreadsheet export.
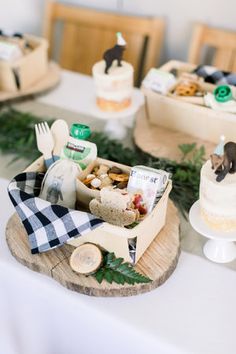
162	142
47	82
158	262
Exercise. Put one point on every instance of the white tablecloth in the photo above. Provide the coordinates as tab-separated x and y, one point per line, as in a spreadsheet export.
193	312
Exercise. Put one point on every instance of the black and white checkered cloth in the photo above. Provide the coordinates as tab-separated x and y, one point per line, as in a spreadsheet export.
215	76
47	225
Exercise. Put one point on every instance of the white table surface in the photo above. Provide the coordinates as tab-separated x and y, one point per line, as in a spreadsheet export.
76	92
193	312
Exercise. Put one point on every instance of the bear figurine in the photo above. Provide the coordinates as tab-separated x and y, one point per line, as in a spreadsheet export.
226	163
115	53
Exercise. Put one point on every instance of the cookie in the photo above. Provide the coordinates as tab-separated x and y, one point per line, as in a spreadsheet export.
186	89
116	170
123	177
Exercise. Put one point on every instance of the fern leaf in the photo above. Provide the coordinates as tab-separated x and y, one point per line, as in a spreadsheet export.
114	270
99	275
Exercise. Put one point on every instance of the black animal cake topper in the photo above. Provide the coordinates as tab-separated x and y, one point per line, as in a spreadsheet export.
115	53
224	159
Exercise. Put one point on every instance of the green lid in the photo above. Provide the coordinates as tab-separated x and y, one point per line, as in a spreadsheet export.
223	93
80	131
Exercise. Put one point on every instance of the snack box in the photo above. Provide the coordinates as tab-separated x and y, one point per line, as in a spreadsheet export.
30	68
187	114
111	237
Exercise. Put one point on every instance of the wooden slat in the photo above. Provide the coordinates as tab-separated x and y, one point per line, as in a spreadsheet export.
223	41
196	44
78	52
67	57
88	33
97	19
48	24
154	45
223	59
233	62
219	38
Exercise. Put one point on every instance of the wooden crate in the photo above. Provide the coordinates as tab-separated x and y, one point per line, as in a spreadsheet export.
30	68
114	238
185	115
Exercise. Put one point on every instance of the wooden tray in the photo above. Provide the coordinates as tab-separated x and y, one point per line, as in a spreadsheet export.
158	262
48	82
198	122
159	141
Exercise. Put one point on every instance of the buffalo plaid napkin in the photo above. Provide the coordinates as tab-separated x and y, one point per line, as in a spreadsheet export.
215	76
47	225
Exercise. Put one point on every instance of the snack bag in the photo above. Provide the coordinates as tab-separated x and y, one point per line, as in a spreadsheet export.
59	183
78	149
148	184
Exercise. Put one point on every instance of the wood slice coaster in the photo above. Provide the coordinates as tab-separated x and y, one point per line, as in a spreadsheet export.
162	142
47	82
158	262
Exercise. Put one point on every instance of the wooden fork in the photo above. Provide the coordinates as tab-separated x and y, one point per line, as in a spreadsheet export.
45	142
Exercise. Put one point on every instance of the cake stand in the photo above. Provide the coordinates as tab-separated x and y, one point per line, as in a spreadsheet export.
220	247
118	122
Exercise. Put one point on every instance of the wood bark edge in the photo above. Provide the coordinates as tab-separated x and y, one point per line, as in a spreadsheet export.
86	259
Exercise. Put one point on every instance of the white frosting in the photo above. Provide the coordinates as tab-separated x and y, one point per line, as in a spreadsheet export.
117	85
217	199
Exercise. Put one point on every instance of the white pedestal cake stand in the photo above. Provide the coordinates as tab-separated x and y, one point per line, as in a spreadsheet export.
117	122
220	247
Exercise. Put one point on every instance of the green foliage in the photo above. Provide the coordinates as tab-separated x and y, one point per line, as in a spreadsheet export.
114	150
197	155
17	136
115	270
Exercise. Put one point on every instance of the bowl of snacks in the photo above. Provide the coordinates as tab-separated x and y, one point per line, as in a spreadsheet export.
131	200
101	173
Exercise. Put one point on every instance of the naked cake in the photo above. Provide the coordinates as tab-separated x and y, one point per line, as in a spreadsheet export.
113	79
218	189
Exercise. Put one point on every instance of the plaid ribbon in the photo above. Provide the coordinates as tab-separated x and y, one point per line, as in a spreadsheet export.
215	76
47	225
